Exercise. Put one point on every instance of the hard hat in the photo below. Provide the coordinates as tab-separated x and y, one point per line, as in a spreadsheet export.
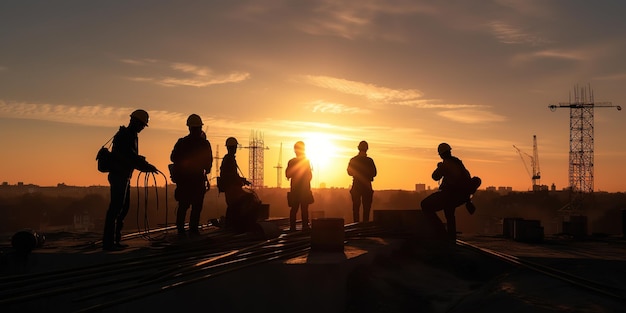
194	120
363	146
298	145
443	147
231	141
141	116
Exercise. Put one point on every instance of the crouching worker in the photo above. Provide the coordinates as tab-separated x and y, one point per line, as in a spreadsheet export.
242	206
455	189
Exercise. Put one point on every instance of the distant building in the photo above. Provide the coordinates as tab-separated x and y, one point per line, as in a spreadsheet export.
420	187
504	189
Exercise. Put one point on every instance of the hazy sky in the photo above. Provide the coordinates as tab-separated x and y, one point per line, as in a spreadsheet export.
403	75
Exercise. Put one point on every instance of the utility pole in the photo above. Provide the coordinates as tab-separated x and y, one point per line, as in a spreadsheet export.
581	139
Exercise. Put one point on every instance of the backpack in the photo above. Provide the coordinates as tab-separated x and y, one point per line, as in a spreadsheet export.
105	157
473	184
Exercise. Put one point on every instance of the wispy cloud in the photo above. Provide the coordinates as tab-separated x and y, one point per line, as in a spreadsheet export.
321	106
469	116
556	54
96	115
369	91
184	74
510	34
349	19
3	68
617	76
378	94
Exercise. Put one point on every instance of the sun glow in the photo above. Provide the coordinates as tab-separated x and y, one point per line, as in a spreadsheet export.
320	149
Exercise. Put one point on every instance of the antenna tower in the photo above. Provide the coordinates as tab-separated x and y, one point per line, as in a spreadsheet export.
255	159
581	112
279	168
217	158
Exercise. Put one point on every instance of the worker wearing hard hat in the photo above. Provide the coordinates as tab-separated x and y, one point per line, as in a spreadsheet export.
453	191
192	159
126	158
363	170
238	218
300	173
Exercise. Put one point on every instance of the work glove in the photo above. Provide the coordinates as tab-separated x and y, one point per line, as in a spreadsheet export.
151	169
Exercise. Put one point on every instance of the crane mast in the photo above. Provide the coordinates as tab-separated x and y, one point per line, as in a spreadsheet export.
535	174
536	177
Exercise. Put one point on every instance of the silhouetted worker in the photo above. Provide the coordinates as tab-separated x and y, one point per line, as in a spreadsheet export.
240	211
453	191
126	158
192	159
299	197
363	170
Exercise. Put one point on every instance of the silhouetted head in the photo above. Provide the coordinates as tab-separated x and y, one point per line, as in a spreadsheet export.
363	146
231	144
444	149
194	122
298	148
138	120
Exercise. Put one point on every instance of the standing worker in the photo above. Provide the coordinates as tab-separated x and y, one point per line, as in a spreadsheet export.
126	158
455	189
192	160
300	196
363	170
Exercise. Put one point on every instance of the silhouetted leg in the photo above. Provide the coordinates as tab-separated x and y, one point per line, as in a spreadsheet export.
118	189
292	217
368	196
305	216
450	222
194	218
181	213
430	205
356	204
119	223
196	209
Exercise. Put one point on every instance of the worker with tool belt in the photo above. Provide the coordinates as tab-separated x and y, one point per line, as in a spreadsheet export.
192	159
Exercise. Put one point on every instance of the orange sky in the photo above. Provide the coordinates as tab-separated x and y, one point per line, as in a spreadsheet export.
403	75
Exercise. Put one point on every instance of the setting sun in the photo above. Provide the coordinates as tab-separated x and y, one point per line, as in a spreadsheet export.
319	149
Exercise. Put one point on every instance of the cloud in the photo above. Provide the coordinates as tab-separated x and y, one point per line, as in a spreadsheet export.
321	106
3	68
379	95
509	34
469	116
184	74
201	81
96	115
618	76
369	91
349	19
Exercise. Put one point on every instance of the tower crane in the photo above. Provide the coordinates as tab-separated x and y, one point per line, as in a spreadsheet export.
581	111
535	174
